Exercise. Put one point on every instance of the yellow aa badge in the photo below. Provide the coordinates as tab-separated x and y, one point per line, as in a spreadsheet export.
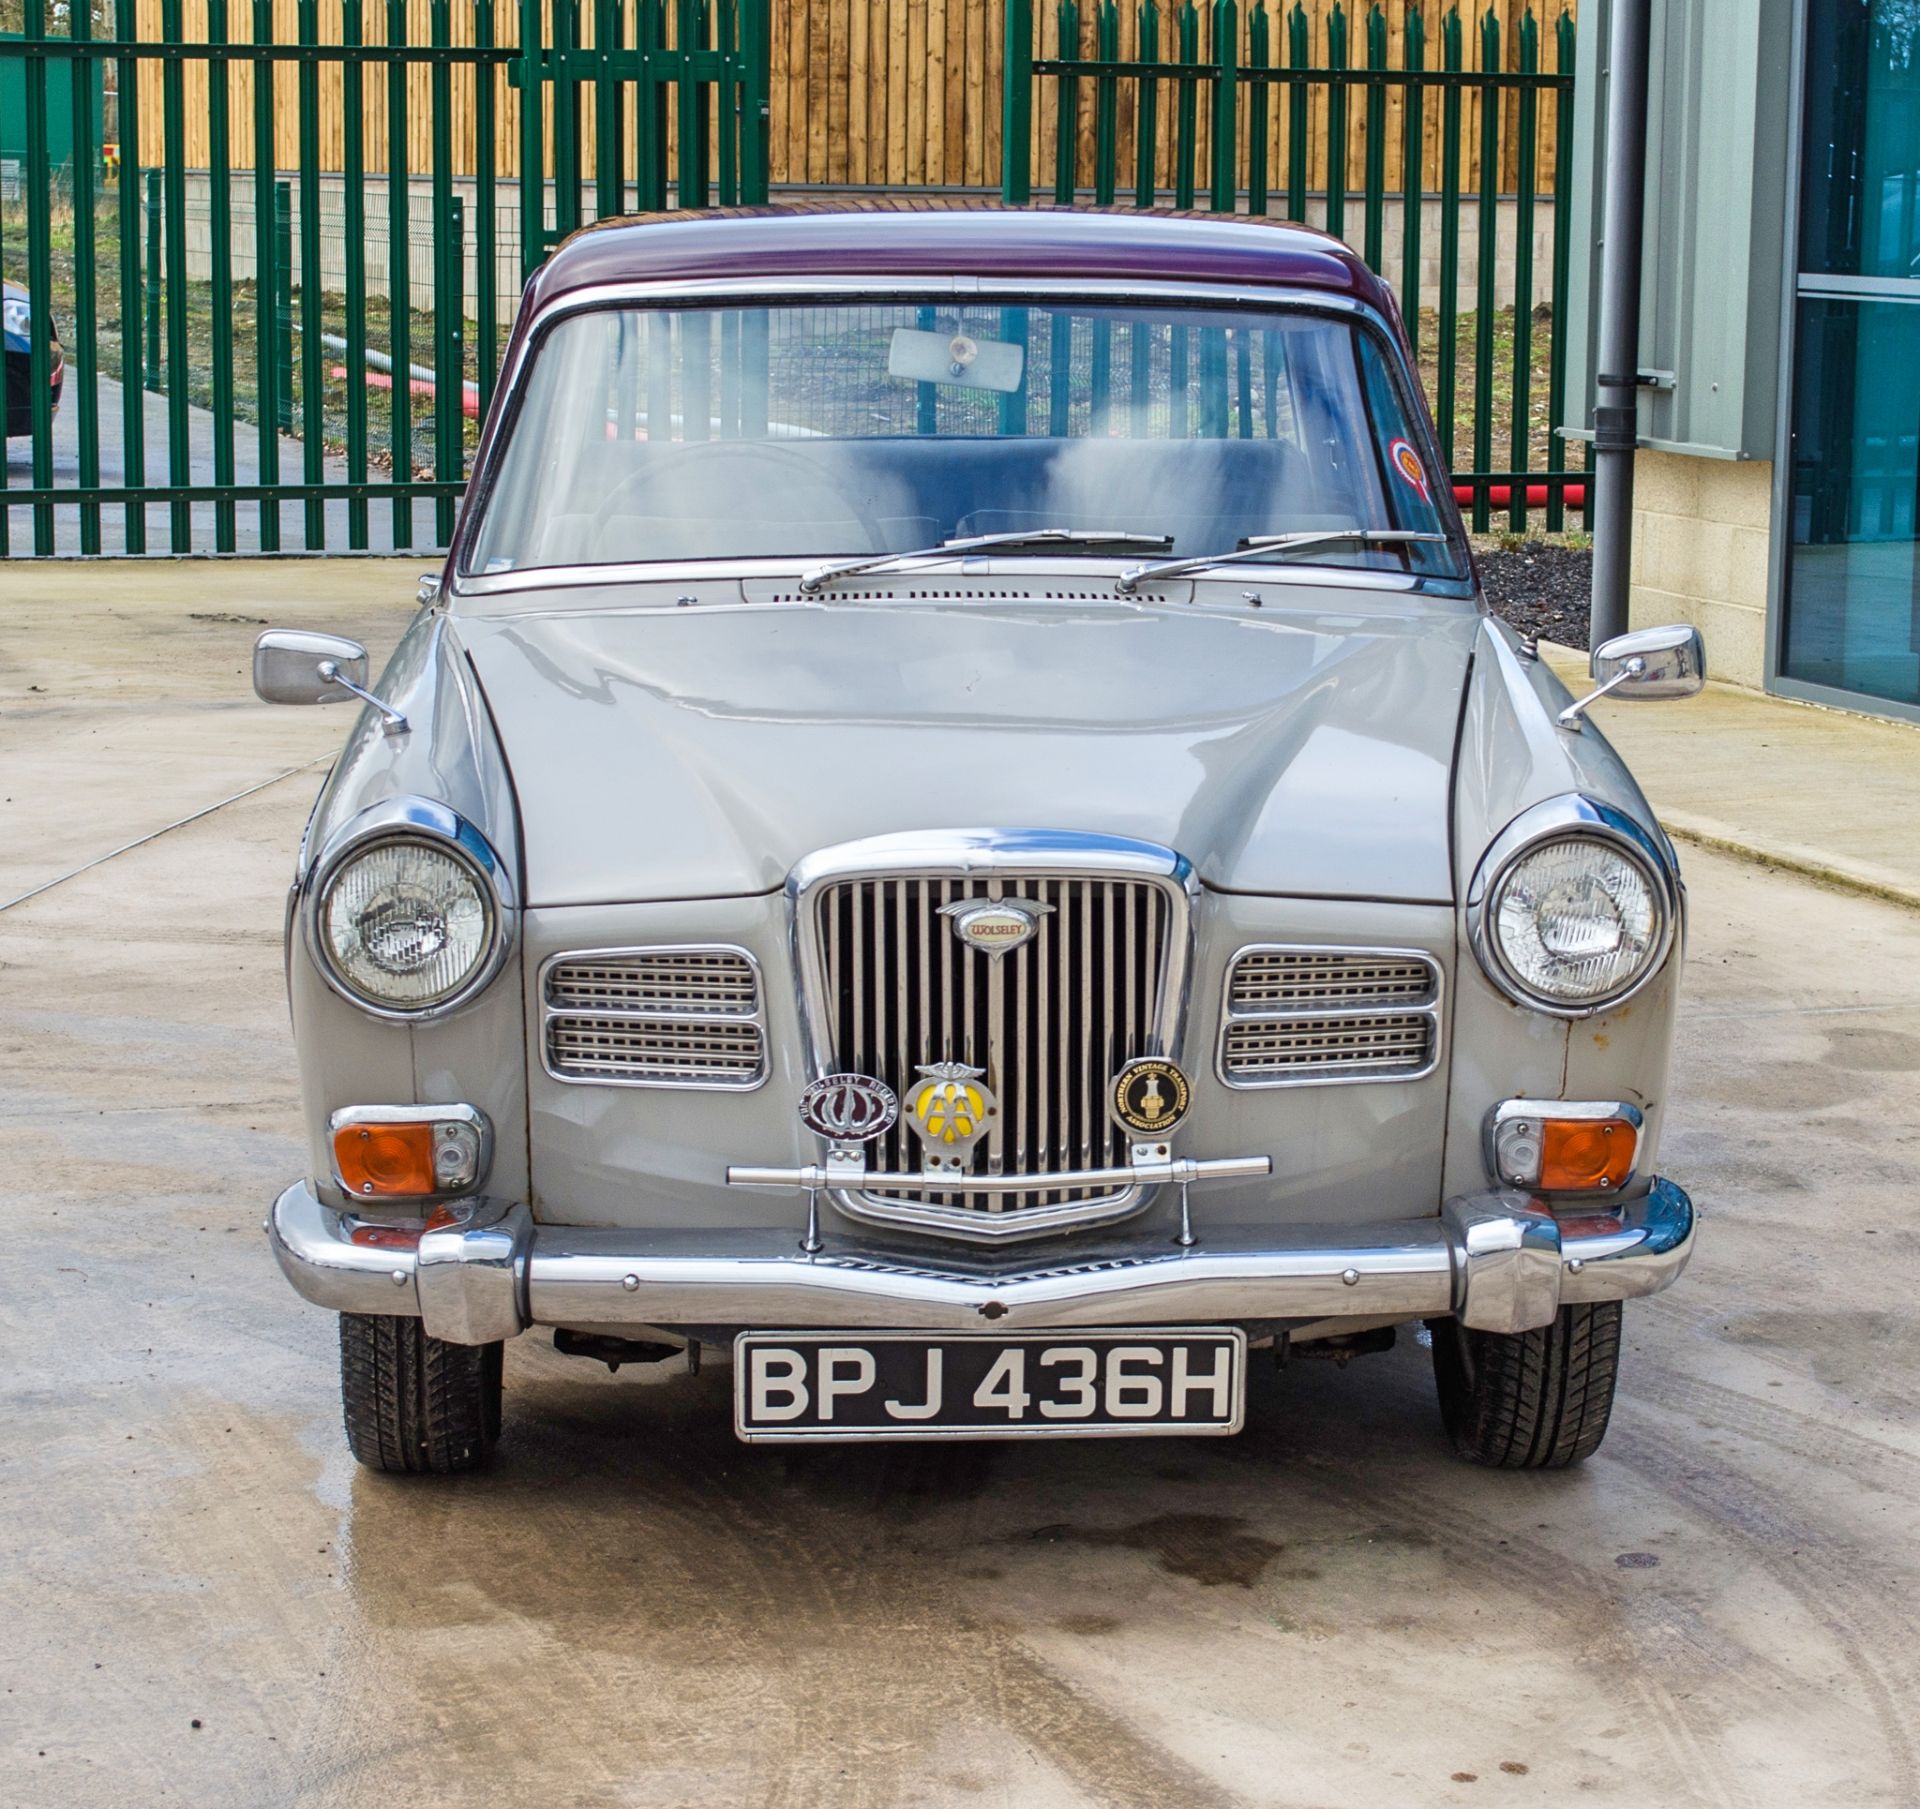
950	1110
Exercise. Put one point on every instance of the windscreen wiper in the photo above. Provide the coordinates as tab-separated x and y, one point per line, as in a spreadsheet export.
1261	545
822	575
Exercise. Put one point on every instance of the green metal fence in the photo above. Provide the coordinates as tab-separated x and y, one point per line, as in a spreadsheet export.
243	324
1236	108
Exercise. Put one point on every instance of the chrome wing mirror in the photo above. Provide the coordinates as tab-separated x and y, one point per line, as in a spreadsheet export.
298	666
1648	663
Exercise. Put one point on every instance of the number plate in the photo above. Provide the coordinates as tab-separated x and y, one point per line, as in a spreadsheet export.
867	1385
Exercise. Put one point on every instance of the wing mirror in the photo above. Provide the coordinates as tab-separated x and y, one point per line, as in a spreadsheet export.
298	666
1648	663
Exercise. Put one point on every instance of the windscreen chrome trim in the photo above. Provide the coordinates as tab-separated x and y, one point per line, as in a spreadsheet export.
877	288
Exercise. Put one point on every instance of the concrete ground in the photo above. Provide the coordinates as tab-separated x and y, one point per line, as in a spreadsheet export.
204	1602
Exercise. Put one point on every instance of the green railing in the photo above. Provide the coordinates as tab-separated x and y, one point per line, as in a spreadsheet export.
244	319
1235	109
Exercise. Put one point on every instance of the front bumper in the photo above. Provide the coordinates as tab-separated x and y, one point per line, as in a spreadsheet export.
484	1270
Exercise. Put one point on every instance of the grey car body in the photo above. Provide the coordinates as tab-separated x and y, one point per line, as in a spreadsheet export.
687	756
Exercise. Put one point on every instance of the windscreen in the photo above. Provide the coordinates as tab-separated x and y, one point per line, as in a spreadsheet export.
826	429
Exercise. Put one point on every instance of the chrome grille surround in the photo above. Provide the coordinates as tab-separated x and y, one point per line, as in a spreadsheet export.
1294	1016
886	987
691	1017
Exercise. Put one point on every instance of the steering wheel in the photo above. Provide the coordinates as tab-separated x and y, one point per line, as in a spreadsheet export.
733	476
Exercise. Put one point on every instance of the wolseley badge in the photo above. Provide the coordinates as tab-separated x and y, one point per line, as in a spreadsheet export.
849	1108
995	925
1151	1096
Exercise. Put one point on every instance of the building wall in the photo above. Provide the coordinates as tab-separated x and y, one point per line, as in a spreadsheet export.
1701	532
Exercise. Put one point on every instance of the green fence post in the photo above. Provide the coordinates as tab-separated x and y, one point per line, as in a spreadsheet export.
282	311
152	377
1066	142
1226	106
1299	58
220	285
450	369
609	181
1562	275
83	368
39	197
353	197
1488	267
1146	146
313	380
1259	108
266	277
1106	95
532	76
448	375
756	38
486	272
1528	126
400	267
690	178
1446	378
1376	137
1413	155
1337	139
133	406
173	115
1016	106
1186	149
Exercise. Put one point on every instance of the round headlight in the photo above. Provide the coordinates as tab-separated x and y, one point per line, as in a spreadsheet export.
1576	922
405	924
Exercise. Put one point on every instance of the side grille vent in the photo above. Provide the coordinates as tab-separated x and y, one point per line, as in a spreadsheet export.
1319	1015
668	1017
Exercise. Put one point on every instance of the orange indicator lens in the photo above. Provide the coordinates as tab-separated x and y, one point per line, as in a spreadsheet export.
377	1159
1585	1155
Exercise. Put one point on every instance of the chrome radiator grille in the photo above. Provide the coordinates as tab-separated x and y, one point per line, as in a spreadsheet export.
674	1017
1049	1021
1297	1015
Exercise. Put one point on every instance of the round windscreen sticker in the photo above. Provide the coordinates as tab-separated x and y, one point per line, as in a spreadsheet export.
1407	462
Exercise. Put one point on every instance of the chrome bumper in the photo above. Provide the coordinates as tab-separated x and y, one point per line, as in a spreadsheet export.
484	1271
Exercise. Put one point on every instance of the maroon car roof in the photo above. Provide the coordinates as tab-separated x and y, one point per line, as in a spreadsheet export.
931	237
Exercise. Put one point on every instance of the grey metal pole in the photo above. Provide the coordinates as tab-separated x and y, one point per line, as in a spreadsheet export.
1615	415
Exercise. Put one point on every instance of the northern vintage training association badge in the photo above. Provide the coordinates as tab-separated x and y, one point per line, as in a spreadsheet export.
1150	1097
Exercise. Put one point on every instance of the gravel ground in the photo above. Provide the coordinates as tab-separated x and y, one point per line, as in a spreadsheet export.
1541	589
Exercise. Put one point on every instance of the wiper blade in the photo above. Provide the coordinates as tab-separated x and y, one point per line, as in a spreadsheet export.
821	575
1257	545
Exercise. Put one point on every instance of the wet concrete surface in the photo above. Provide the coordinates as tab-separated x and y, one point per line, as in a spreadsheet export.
202	1601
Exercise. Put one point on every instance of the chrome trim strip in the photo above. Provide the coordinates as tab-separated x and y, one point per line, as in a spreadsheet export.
1419	1268
1596	1109
1569	817
757	1018
413	819
1429	1008
942	857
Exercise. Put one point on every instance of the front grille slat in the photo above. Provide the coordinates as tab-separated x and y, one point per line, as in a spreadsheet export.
1317	1015
654	1017
1049	1020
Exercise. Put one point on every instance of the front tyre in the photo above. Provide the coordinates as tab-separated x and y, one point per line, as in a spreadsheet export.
414	1403
1535	1400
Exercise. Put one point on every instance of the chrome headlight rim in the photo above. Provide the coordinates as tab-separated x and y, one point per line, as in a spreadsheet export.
1571	818
422	820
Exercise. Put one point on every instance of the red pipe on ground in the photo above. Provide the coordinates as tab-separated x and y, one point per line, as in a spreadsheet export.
1500	496
419	386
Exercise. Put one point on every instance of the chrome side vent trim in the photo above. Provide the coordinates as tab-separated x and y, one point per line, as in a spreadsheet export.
654	1017
1316	1016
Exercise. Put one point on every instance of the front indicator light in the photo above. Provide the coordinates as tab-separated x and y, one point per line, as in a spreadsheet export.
1564	1146
409	1152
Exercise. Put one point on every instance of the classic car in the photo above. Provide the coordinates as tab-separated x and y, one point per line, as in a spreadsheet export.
956	834
16	342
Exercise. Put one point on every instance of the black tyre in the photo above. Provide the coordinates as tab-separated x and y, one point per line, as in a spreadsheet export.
1535	1400
414	1403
